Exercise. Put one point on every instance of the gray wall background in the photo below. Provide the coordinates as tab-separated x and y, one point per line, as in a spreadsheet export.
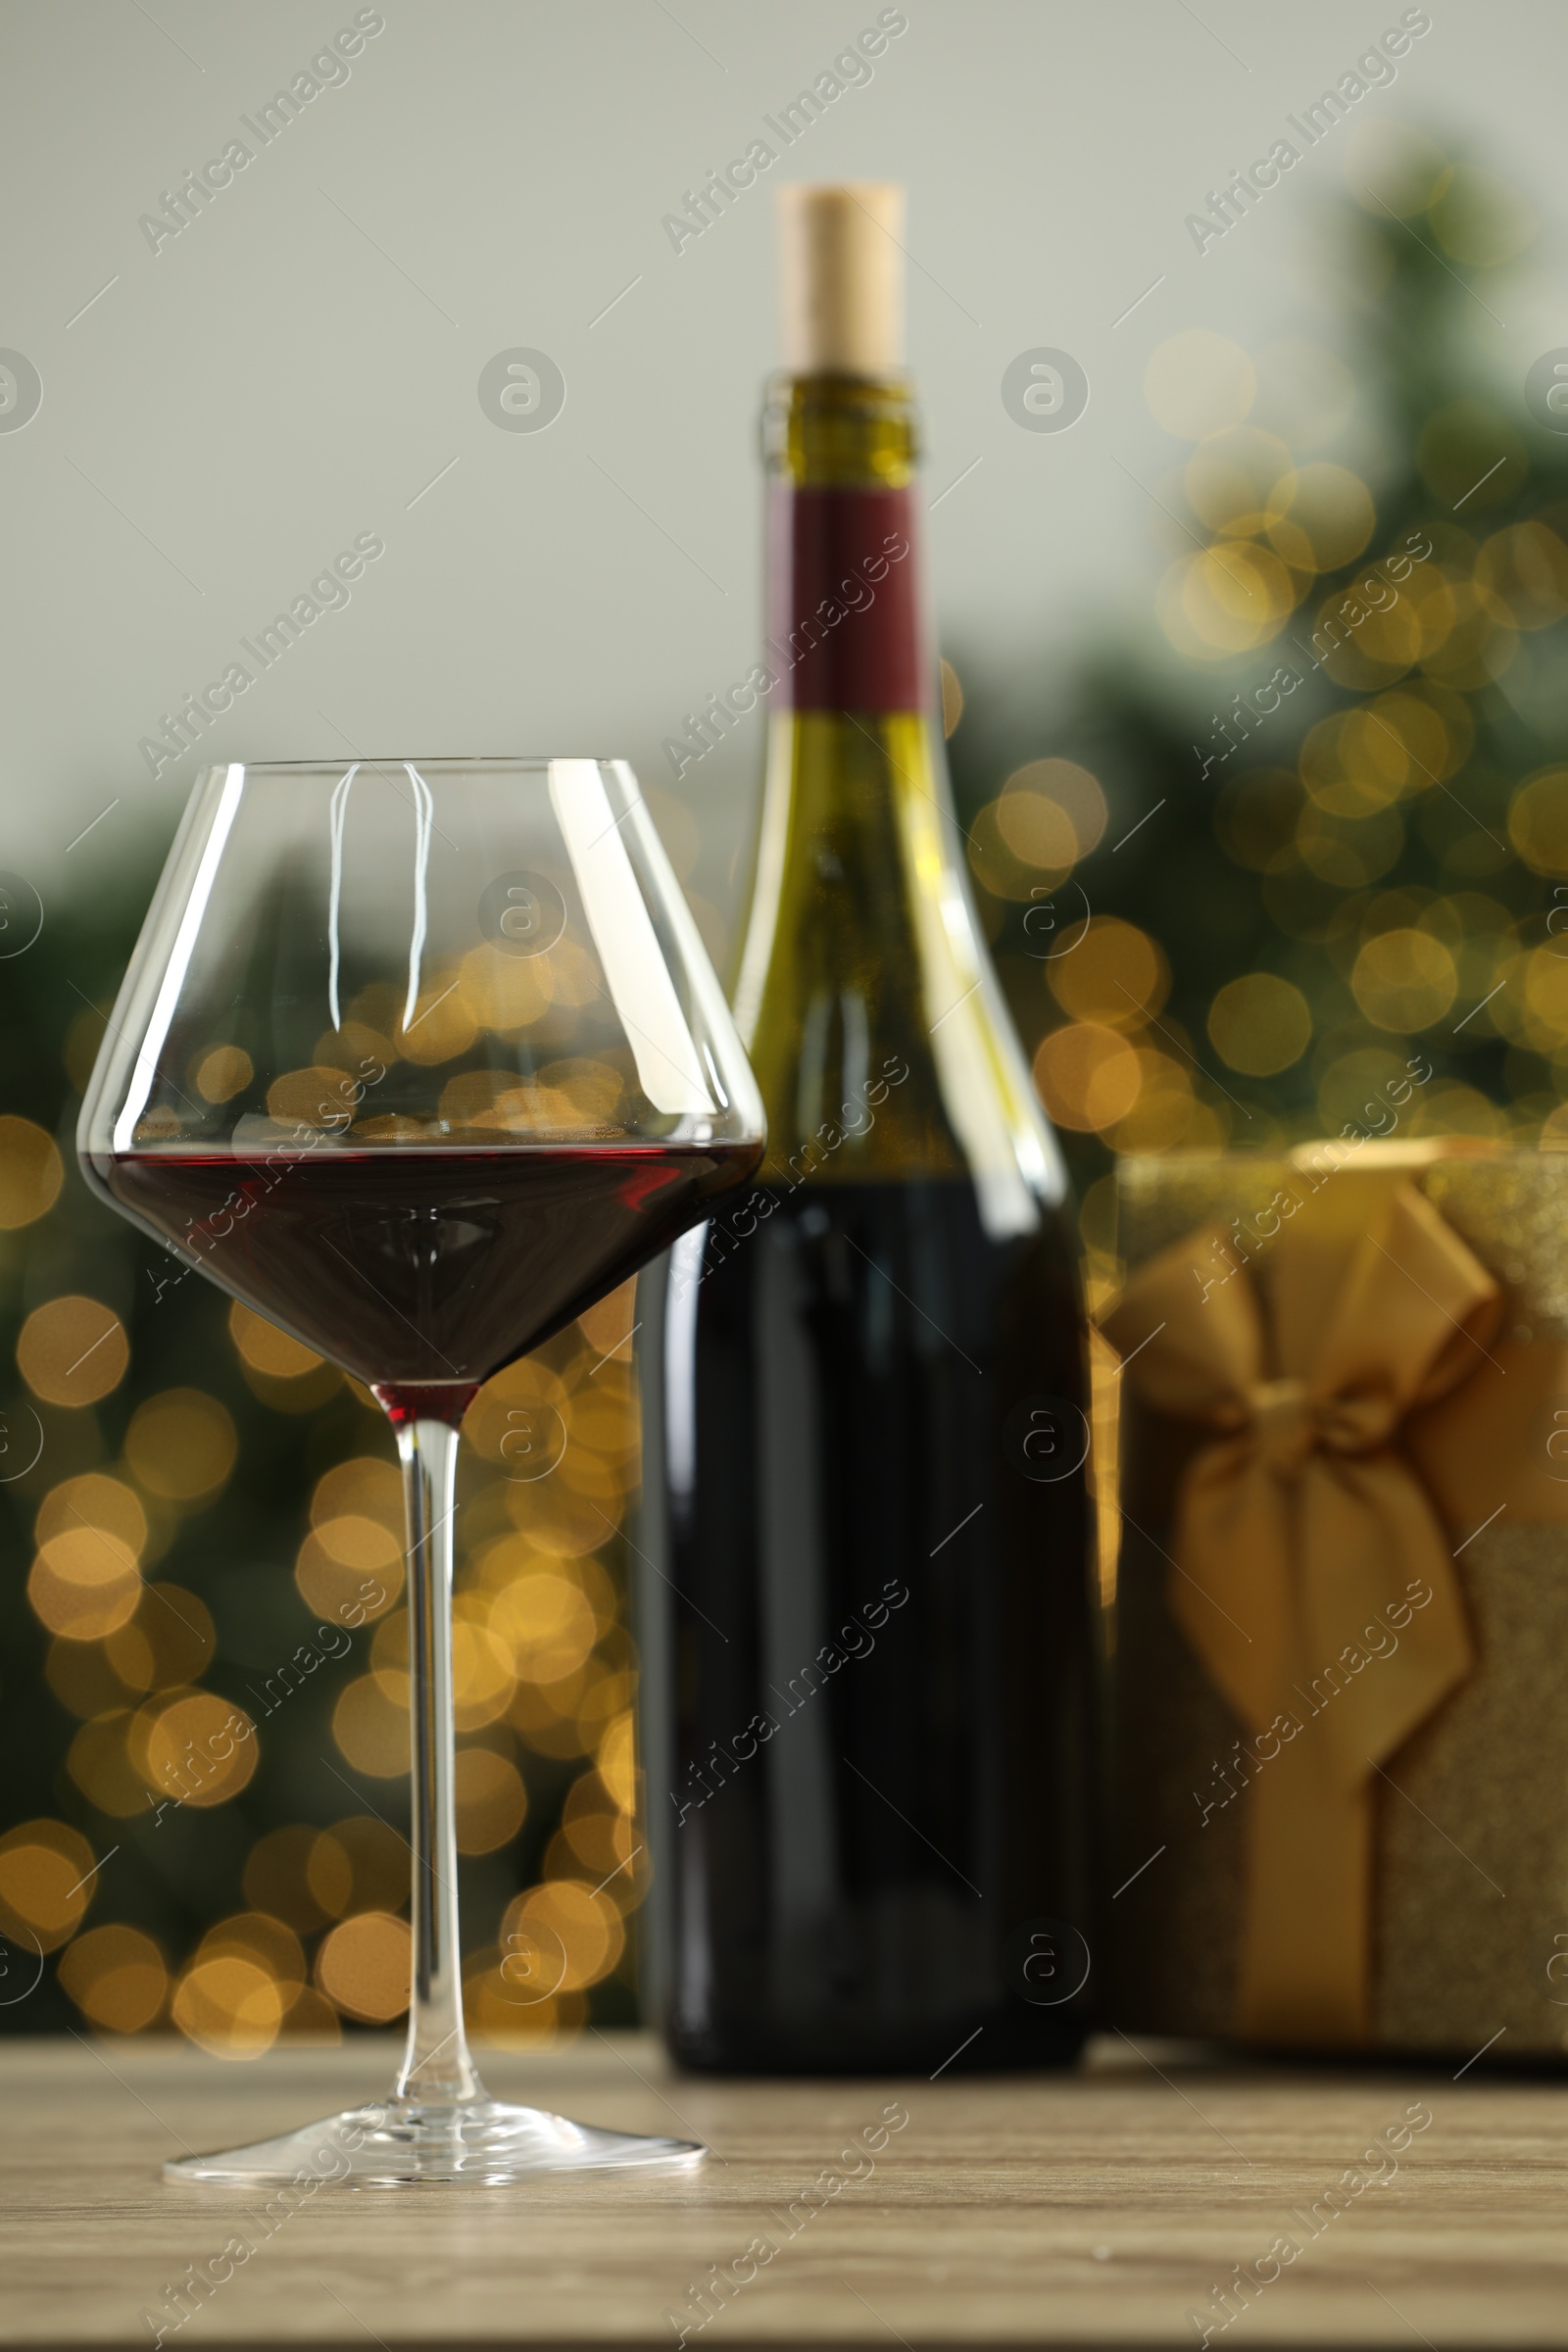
301	363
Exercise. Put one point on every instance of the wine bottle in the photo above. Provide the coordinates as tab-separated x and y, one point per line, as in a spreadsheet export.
866	1618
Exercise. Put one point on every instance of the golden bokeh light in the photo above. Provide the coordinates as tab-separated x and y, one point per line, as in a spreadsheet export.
1537	821
1362	649
574	974
1428	743
995	867
311	2018
618	1762
350	1569
1115	973
579	1931
1234	482
1325	517
230	2006
1050	812
506	1999
546	1624
1197	383
84	1584
583	1090
46	1883
169	1640
1354	761
82	1676
1532	1008
363	1487
595	1838
1260	1024
1165	1112
1088	1076
267	1349
222	1072
559	1520
491	1801
1231	597
117	1978
99	1761
257	1936
72	1351
197	1747
1348	852
31	1172
94	1500
1451	1109
520	1419
276	1877
181	1445
607	1326
1037	830
360	1864
572	1096
482	1673
366	1037
1545	989
567	1718
506	993
1404	979
1478	643
442	1025
371	1726
159	1125
1353	1087
1521	576
605	1416
313	1096
363	1967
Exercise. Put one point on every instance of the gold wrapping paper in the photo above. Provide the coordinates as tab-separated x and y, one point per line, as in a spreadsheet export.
1371	1415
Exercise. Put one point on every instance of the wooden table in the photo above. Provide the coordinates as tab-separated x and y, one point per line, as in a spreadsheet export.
1099	2208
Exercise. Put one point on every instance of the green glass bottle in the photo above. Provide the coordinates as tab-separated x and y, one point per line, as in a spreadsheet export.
866	1690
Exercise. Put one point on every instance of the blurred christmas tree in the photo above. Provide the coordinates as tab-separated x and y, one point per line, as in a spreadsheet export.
1235	887
204	1731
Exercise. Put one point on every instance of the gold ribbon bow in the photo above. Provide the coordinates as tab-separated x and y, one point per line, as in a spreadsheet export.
1301	1521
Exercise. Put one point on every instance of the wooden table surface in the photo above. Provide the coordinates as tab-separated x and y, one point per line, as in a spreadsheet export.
1096	2208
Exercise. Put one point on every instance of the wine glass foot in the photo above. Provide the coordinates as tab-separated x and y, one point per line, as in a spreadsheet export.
483	2143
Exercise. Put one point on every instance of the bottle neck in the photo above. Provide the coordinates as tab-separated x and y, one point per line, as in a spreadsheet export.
874	1025
845	611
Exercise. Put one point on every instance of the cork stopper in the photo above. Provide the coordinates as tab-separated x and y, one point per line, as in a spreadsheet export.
841	260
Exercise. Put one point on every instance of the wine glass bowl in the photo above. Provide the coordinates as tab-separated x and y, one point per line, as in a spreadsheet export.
420	1058
360	985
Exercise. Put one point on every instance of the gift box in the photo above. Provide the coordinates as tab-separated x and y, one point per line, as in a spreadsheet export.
1339	1724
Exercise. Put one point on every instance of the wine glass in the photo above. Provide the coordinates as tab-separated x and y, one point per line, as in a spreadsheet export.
420	1060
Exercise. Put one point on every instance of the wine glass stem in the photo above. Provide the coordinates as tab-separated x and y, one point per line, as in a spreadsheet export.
437	2070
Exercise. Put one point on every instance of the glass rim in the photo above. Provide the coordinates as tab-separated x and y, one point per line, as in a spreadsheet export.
437	760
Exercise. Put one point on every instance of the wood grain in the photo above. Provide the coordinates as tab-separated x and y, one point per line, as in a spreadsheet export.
1097	2208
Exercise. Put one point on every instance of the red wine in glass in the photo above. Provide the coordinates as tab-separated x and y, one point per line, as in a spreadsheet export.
419	1270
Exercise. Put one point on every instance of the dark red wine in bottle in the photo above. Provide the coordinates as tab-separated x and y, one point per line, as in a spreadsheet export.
868	1643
